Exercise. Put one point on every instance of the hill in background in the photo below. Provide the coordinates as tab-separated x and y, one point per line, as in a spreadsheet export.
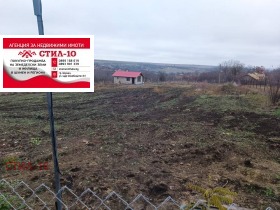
156	67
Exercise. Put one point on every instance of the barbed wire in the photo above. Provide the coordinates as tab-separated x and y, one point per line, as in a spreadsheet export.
20	196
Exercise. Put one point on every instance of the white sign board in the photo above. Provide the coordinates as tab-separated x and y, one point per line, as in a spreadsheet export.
47	63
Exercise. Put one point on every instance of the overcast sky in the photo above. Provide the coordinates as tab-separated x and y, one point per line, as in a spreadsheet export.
160	31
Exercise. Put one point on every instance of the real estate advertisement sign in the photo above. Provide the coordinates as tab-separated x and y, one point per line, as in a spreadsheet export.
47	63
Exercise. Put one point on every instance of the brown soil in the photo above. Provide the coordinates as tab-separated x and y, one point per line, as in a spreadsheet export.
150	140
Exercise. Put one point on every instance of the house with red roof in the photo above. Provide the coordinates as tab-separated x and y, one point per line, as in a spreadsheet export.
128	77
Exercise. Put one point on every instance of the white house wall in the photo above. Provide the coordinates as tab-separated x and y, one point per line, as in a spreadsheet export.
122	80
138	83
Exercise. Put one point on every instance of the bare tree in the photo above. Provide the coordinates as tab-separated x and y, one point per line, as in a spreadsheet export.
231	69
274	86
162	76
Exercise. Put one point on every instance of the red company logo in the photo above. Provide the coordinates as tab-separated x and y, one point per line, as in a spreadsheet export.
26	53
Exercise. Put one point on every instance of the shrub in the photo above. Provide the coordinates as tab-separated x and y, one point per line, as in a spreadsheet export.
215	196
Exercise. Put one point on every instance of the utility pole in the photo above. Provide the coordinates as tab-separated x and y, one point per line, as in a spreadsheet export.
38	12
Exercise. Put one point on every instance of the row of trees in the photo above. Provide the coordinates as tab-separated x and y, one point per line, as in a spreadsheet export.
227	71
104	74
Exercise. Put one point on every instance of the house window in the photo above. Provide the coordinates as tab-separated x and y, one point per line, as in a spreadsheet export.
139	79
127	79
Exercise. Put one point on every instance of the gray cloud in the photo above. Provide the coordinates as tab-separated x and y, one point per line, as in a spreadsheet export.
166	31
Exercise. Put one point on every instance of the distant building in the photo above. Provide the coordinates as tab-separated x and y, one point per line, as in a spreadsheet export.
128	77
255	78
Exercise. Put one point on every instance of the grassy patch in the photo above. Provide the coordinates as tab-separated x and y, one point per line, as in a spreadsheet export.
237	135
168	104
269	192
222	103
9	159
7	200
277	112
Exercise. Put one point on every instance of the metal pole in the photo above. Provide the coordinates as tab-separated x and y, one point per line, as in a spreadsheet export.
40	24
54	150
38	12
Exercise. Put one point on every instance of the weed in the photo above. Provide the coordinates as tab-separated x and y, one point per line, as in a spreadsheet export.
36	141
7	200
9	159
269	192
215	196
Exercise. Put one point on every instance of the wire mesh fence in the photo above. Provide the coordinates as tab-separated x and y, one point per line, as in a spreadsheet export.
21	196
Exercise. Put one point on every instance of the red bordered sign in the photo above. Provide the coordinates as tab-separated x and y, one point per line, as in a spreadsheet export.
47	64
